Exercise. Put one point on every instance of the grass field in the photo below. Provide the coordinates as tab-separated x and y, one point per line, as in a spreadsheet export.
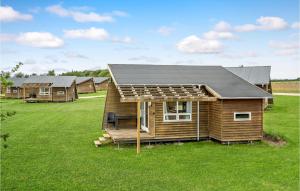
286	86
98	93
51	148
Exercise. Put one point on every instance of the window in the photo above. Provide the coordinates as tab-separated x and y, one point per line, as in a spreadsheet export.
8	90
242	116
15	91
178	111
44	91
60	92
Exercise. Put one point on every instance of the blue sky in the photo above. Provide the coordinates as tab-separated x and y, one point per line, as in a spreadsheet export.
77	35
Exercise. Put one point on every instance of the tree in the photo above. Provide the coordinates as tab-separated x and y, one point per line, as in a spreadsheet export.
19	75
5	82
51	73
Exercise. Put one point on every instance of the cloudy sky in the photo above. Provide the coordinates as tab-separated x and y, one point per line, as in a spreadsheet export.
77	35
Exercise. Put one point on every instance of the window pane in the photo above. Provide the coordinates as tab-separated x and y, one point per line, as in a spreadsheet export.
170	107
170	117
182	107
184	117
242	115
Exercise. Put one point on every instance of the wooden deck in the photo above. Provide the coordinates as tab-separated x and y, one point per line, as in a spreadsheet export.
127	135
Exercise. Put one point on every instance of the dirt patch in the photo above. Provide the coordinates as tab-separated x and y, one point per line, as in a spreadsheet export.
274	140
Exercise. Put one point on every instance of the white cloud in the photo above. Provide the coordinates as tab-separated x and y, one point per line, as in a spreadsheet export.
165	31
222	26
213	35
7	37
246	28
285	48
296	25
126	40
39	39
264	23
193	44
91	33
77	15
8	14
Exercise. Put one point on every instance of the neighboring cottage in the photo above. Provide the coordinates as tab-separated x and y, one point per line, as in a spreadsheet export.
16	90
101	83
174	102
50	89
85	85
256	75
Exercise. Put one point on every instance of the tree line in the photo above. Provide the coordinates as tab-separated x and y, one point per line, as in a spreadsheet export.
84	73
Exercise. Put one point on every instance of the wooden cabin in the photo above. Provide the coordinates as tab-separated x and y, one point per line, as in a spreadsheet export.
151	103
15	90
85	85
50	89
256	75
101	83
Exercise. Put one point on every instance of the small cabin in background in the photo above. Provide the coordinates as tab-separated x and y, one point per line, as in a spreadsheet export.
256	75
177	102
50	89
85	85
16	90
101	83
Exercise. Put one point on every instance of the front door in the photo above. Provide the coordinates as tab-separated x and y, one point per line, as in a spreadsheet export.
144	116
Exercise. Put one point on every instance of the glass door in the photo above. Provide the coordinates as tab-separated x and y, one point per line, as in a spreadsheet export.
144	116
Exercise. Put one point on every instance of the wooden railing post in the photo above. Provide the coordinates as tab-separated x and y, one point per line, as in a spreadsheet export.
138	125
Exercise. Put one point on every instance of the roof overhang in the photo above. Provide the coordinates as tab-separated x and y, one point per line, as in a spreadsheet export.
159	93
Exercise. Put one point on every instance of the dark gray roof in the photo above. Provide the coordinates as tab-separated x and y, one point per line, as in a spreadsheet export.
80	80
17	82
220	80
99	80
253	74
56	81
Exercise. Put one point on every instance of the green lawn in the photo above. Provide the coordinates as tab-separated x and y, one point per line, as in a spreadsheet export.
98	93
51	148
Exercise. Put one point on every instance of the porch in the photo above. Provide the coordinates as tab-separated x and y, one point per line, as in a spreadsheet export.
127	135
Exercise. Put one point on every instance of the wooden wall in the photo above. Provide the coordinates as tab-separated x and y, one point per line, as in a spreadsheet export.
182	129
12	94
101	86
86	87
113	104
223	127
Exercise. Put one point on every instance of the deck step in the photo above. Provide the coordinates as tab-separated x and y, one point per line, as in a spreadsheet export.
97	143
106	135
102	139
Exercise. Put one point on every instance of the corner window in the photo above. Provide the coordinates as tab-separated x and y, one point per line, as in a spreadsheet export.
8	90
60	92
177	111
242	116
44	91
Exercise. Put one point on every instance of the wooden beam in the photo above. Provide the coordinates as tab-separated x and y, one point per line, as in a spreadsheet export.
138	125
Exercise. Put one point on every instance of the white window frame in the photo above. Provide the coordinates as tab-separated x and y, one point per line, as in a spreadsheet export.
244	119
8	90
177	114
15	91
60	92
44	93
